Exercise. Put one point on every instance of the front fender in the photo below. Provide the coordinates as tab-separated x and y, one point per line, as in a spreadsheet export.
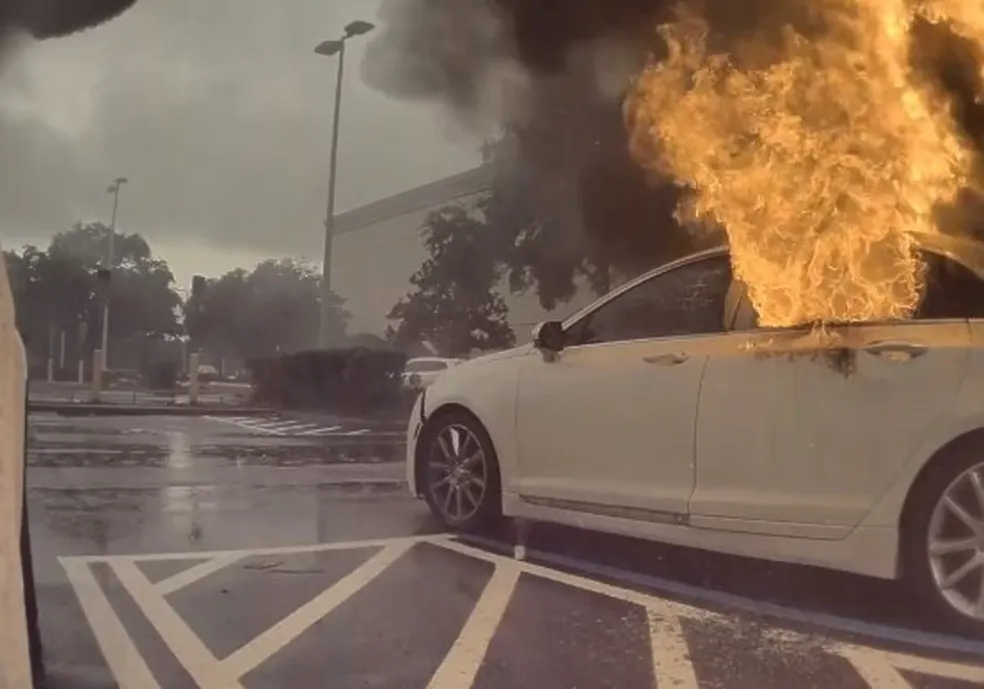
487	390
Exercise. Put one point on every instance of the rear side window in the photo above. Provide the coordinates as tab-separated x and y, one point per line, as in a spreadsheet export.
952	291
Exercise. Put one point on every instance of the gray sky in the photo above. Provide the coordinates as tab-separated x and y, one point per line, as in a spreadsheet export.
219	113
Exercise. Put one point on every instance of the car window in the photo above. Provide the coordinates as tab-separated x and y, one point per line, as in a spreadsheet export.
425	366
952	291
688	300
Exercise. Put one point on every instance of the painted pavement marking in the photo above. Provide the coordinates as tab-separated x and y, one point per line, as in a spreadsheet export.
121	654
281	427
461	664
671	658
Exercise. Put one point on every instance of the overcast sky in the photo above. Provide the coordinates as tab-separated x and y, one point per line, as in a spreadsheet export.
219	114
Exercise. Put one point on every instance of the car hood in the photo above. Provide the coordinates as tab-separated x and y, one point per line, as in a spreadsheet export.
498	356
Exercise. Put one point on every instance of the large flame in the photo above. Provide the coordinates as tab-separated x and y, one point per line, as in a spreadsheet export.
822	164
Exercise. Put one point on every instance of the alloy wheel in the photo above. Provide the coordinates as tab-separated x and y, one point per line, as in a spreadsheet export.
956	543
458	473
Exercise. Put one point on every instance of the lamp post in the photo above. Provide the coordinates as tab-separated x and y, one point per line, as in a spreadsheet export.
328	49
113	189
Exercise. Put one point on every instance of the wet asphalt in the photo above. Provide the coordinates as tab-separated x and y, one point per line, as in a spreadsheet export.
199	552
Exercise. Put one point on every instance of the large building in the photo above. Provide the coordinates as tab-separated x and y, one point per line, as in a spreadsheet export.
379	246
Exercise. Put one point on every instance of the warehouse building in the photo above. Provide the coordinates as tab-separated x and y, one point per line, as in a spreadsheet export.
379	246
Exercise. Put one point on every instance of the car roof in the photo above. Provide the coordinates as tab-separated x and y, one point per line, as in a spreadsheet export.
964	250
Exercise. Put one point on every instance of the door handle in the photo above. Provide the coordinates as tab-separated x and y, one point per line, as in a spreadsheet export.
666	359
896	351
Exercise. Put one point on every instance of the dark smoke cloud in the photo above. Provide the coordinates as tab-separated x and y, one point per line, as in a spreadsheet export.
553	72
51	18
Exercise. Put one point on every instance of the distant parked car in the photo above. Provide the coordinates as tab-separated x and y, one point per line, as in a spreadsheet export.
422	371
208	374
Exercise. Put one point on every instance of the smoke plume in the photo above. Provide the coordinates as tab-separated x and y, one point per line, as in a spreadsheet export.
555	74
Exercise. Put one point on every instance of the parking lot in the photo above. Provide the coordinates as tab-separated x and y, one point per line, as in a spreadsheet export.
194	552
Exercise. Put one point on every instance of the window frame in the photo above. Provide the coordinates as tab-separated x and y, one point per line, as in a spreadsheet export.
576	320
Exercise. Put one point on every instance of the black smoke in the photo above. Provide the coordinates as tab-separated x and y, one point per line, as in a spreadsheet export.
552	74
51	18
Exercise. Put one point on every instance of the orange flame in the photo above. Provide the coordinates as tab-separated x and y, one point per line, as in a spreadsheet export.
821	166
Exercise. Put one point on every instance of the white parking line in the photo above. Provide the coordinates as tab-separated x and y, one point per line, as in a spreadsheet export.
672	665
192	574
297	428
671	658
272	640
320	431
875	668
461	664
121	654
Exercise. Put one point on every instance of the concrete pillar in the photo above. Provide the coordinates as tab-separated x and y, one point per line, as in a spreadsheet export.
51	370
194	361
97	371
15	655
81	371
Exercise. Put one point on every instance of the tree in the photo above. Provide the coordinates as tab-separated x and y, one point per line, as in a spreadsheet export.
56	290
455	304
275	308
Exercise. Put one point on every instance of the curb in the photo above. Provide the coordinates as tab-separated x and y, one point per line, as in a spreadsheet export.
88	409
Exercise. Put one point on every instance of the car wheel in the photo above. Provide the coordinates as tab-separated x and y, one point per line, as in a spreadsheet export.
460	473
944	548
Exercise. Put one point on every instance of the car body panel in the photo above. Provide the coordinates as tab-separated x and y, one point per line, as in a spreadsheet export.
650	465
793	469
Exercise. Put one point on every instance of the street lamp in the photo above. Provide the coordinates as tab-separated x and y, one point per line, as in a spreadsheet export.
329	49
113	189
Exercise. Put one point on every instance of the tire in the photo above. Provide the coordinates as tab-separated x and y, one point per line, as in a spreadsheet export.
459	473
932	521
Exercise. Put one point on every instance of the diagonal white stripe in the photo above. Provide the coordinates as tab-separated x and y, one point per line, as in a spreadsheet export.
272	640
672	665
461	664
192	574
187	648
121	654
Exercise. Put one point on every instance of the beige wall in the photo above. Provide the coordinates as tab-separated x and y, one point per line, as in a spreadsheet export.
373	262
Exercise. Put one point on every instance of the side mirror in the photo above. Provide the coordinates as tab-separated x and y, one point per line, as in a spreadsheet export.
549	336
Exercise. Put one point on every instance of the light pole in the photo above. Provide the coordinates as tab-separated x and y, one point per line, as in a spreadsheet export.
113	189
328	49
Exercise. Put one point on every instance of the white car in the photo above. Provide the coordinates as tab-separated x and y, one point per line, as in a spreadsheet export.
663	412
422	371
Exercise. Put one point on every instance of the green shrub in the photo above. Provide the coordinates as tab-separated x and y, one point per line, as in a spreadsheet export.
343	381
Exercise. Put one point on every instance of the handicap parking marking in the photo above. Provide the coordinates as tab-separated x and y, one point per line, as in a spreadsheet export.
672	662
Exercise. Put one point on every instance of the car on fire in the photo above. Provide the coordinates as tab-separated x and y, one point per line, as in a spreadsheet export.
662	411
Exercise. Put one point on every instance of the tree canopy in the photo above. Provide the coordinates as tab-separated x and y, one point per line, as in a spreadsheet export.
455	304
273	308
57	290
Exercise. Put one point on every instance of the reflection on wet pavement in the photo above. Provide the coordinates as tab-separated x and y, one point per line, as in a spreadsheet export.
61	444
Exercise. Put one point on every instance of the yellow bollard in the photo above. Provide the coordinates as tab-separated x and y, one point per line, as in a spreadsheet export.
15	663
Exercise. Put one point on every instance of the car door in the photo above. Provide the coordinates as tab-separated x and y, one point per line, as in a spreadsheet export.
608	424
799	433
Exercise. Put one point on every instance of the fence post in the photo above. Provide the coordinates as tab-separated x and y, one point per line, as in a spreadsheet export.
16	653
